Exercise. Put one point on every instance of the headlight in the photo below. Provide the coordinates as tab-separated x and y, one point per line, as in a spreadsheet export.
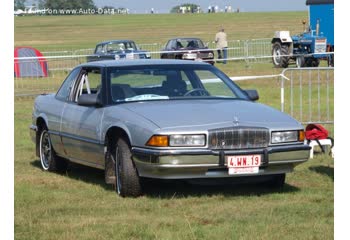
116	57
178	140
210	55
187	140
189	56
286	136
148	55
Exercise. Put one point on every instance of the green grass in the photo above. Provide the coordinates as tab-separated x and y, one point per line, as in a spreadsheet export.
78	205
79	32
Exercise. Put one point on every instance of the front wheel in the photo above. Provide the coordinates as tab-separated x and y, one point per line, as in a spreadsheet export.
300	61
128	182
48	158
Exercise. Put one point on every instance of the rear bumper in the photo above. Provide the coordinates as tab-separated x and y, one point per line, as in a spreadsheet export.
185	164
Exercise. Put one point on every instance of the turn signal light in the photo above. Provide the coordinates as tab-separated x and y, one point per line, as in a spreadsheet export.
158	141
301	136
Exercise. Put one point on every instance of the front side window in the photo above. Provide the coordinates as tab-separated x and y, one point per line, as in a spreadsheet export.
170	82
63	92
89	82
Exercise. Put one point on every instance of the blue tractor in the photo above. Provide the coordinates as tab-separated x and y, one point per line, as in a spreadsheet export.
309	47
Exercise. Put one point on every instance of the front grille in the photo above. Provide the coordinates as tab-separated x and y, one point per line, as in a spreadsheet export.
238	138
202	55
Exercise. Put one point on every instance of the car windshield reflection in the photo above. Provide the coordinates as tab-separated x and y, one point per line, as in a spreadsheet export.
167	83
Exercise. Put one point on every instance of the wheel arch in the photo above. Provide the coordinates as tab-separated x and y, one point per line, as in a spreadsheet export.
41	122
112	135
274	40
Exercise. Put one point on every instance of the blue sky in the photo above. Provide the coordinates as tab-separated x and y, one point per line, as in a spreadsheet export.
164	6
137	6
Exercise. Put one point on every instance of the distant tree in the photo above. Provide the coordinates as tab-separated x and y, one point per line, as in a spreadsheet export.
190	7
19	4
41	4
69	4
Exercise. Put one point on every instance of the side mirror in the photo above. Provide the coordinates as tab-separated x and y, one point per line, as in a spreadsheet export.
89	100
252	94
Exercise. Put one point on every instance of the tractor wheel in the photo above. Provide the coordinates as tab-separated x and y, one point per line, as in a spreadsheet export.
312	62
300	61
280	55
331	61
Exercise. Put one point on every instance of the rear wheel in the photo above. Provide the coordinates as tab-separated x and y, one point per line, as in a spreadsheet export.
312	62
48	158
128	182
280	55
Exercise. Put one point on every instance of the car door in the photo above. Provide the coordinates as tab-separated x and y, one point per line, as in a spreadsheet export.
168	48
55	109
81	125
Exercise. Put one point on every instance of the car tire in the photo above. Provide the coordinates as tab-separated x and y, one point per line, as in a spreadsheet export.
128	183
48	158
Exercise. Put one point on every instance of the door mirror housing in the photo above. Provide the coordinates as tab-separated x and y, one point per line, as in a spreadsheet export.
252	94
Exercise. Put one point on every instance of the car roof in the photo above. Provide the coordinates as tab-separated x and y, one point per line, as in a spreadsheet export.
186	38
114	41
140	62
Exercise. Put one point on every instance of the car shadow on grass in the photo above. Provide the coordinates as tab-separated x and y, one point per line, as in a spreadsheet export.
211	187
324	170
169	189
82	173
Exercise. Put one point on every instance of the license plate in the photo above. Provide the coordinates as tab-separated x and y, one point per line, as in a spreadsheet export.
244	164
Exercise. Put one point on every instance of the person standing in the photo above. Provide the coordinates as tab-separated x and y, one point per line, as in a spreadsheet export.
221	44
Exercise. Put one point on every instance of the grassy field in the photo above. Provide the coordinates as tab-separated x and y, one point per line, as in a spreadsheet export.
78	205
78	32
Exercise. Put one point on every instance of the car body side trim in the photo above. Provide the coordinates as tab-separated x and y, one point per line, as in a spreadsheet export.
75	137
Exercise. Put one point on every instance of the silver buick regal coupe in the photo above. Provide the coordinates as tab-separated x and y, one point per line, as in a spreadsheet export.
163	119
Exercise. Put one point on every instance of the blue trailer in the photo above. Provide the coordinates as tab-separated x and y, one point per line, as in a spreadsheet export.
308	48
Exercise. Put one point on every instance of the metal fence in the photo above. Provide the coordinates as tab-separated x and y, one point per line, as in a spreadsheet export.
251	51
58	68
307	94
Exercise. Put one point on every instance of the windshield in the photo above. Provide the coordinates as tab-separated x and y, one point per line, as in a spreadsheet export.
120	46
168	82
189	43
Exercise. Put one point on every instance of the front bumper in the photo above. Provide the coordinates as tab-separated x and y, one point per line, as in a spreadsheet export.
185	164
32	132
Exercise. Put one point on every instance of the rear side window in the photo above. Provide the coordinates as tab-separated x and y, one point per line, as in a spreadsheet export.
63	92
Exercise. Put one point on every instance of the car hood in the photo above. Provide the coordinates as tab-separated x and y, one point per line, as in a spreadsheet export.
209	114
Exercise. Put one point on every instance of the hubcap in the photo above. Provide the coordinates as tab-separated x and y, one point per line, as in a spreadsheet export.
45	150
277	56
298	62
